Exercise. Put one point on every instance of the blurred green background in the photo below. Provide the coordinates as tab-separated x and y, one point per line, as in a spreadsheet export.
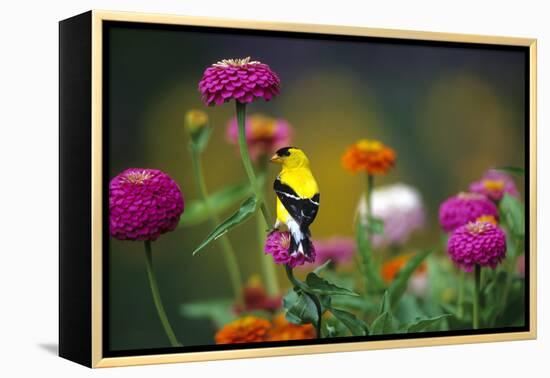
449	112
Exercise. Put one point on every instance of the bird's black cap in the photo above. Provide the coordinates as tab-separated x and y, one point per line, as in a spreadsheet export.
284	151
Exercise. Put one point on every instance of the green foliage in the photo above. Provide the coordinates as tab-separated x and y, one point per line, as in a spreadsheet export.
246	210
399	284
376	225
219	311
300	308
358	304
199	139
385	322
515	170
322	267
368	267
356	326
420	325
513	213
321	286
198	211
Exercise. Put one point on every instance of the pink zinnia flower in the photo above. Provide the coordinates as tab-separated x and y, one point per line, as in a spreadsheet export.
463	208
494	184
243	80
264	135
277	245
480	243
338	249
143	204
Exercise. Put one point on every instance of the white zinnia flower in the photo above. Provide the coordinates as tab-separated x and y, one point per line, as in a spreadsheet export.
401	209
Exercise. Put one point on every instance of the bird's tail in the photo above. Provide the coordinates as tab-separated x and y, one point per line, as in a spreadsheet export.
300	242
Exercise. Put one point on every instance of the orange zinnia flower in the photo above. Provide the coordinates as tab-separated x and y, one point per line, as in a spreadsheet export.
244	330
393	266
283	330
370	156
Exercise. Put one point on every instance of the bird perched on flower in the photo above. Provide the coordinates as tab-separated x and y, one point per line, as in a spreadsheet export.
297	198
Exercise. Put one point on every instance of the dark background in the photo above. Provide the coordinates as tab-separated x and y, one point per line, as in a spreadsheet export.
450	112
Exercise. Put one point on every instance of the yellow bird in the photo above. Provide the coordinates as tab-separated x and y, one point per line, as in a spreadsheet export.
297	198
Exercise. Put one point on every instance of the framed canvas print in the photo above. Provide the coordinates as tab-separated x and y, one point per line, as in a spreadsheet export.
234	189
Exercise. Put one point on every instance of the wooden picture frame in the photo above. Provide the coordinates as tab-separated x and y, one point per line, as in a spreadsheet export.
84	204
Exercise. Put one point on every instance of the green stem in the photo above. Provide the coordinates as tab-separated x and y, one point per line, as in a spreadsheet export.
156	297
228	251
477	284
510	271
267	265
368	193
297	283
460	304
366	225
247	162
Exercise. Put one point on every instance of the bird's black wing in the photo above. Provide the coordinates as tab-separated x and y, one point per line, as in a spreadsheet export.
303	210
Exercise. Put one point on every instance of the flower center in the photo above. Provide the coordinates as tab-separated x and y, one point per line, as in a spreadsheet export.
493	185
476	228
235	62
262	127
137	177
487	218
367	145
284	242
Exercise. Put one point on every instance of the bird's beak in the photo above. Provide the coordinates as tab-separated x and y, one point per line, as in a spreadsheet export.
276	159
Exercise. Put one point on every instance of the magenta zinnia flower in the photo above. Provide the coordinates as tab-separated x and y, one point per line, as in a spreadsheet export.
338	249
463	208
243	80
143	204
277	245
494	184
480	243
264	135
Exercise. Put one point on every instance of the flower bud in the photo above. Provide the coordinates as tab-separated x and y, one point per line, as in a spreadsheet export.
195	121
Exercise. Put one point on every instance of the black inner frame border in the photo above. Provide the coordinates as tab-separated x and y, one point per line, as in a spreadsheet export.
107	25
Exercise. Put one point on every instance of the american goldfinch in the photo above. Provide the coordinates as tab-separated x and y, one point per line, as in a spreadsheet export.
297	198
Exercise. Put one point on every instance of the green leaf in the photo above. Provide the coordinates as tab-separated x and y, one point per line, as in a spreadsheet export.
422	324
300	308
320	268
385	323
356	326
246	210
376	225
399	284
515	170
326	302
323	287
197	212
355	303
512	211
385	305
219	311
